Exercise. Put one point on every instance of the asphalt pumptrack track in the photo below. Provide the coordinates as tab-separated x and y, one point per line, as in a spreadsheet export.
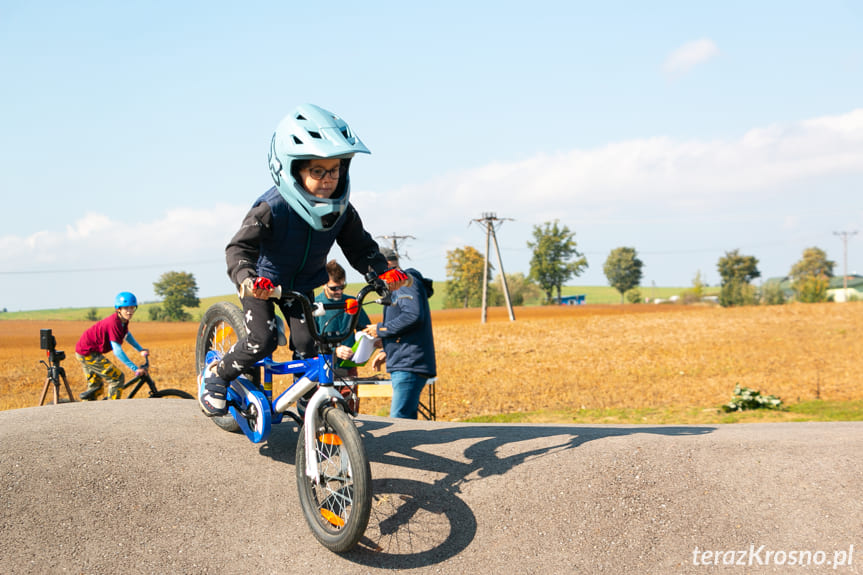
155	487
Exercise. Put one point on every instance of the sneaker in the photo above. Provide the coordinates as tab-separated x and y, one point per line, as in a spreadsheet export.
91	393
212	393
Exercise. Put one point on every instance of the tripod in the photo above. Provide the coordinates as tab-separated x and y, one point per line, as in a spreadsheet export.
55	374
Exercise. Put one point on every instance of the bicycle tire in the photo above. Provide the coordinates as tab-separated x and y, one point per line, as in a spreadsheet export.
178	393
221	327
337	509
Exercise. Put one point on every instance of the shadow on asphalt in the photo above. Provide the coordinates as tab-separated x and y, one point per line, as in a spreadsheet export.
420	523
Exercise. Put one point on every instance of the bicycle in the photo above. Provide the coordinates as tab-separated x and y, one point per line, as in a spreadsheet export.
332	469
145	379
140	380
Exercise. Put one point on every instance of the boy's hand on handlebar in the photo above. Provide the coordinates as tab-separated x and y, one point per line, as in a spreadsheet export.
259	287
395	279
140	371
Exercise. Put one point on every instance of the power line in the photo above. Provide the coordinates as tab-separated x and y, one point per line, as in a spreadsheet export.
490	221
844	235
394	240
109	269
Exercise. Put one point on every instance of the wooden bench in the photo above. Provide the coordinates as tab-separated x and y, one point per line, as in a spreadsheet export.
382	387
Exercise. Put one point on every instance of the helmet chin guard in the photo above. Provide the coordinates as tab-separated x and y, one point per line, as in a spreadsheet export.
307	133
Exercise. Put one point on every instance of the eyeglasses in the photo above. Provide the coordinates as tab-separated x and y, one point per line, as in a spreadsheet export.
336	288
318	173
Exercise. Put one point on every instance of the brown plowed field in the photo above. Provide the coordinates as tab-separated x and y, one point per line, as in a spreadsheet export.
553	357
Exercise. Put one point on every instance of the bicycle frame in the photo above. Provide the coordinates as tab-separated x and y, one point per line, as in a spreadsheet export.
140	380
244	394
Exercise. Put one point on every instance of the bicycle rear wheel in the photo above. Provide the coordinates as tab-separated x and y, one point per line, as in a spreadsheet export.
221	327
177	393
337	508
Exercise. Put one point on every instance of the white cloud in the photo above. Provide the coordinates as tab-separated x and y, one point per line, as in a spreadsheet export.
681	176
97	241
691	54
627	189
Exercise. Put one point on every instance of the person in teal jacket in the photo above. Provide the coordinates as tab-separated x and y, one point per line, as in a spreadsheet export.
336	320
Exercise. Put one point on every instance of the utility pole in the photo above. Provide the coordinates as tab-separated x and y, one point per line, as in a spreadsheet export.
490	221
394	240
844	235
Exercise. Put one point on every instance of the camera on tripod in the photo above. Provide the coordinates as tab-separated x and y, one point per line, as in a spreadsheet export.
48	342
56	373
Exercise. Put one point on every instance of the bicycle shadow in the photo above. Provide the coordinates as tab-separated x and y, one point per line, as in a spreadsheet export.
417	522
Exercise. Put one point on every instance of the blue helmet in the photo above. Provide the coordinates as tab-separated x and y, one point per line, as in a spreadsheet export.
307	133
125	299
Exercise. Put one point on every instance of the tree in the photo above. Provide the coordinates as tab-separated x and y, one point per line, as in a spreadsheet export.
464	270
623	269
177	289
521	289
550	265
737	272
813	263
810	277
696	292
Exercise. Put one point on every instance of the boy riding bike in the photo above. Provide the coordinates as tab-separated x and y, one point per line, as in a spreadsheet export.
108	335
285	238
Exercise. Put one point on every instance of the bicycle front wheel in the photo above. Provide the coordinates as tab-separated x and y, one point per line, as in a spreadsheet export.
336	507
221	327
177	393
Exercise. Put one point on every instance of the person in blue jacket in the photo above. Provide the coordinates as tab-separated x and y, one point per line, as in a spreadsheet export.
408	342
285	238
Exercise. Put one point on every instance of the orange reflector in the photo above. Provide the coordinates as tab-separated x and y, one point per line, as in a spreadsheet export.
224	333
330	439
352	306
332	518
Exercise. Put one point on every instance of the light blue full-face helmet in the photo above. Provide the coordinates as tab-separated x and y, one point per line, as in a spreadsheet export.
307	133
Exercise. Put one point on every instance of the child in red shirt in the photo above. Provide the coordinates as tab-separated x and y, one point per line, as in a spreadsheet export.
104	336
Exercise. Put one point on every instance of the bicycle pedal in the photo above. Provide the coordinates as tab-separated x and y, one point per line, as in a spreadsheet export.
90	395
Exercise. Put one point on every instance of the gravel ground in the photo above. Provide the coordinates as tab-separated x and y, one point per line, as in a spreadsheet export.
146	486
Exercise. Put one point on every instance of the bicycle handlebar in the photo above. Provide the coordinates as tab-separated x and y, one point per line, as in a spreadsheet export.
311	310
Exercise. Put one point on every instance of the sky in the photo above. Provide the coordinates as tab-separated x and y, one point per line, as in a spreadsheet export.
134	135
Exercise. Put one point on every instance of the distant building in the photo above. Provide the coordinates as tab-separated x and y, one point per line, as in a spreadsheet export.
837	292
572	299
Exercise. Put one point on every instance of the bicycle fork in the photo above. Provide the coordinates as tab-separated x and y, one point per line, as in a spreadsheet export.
324	395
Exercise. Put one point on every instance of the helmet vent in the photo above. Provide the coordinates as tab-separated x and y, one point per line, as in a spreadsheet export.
297	141
315	135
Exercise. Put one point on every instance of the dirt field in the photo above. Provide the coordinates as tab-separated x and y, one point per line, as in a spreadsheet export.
553	357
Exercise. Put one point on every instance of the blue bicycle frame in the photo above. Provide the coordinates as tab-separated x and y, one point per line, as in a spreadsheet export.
252	405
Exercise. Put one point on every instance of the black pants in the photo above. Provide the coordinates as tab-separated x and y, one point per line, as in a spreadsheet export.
260	318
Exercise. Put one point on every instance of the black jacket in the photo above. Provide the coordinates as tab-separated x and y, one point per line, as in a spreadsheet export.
275	242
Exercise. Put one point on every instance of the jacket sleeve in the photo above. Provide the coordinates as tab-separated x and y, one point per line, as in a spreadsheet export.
410	315
243	249
359	247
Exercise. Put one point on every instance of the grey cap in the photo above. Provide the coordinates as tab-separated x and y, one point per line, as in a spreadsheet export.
389	253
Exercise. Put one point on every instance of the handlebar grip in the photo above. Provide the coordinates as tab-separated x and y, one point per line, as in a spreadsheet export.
246	291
